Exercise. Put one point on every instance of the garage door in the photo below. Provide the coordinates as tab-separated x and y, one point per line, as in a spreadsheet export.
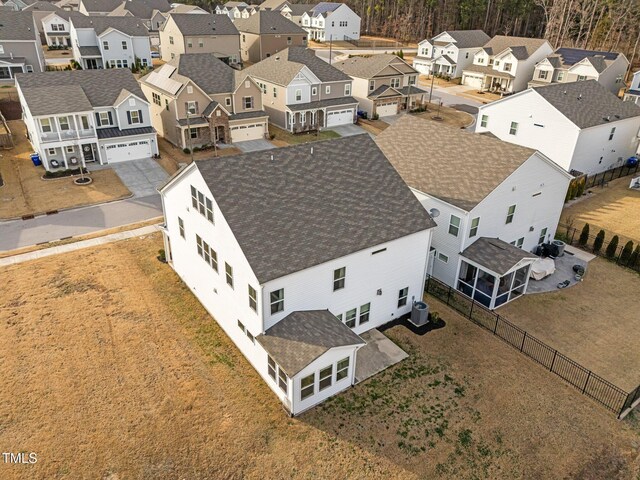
339	117
121	152
247	132
421	67
472	81
386	109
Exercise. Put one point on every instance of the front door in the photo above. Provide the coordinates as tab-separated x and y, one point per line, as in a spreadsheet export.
87	152
92	64
220	134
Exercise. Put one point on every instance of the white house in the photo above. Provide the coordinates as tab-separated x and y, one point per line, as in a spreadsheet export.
331	21
109	42
82	116
56	28
493	202
575	65
580	125
633	93
292	271
449	52
505	64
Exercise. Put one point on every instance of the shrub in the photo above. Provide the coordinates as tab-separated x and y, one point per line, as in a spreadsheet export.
584	235
186	150
634	260
580	187
375	116
626	253
401	54
612	248
597	243
571	192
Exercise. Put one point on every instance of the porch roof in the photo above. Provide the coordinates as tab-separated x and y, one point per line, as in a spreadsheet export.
488	71
382	89
116	132
330	102
13	60
89	51
496	255
412	90
302	336
246	115
193	122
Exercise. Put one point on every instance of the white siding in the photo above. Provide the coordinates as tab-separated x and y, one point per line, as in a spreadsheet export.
335	31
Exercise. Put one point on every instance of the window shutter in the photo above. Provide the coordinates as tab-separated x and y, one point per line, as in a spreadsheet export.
98	120
110	118
140	116
129	117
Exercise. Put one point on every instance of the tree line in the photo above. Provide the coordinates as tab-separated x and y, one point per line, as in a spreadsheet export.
610	25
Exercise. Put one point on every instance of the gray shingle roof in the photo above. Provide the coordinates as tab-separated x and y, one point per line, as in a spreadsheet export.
272	4
330	102
144	8
91	51
587	103
383	89
412	90
282	67
116	132
128	25
52	99
266	22
17	26
100	88
298	9
302	209
303	336
469	38
456	166
207	71
487	70
500	43
496	255
101	5
201	24
246	115
366	67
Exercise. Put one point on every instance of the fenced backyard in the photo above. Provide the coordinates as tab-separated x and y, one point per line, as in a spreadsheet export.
589	383
10	105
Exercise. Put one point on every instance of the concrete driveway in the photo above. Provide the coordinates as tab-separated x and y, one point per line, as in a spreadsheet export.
254	145
348	130
141	177
391	119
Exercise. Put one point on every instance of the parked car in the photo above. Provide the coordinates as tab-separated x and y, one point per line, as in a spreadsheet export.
155	54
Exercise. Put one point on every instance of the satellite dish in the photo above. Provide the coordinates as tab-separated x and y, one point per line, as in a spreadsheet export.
434	212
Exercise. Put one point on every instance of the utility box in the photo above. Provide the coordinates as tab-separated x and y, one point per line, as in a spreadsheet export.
419	314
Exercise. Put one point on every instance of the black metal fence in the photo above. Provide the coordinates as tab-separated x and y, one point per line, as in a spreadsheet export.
629	258
601	179
589	383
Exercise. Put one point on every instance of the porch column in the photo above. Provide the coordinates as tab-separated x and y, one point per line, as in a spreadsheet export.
96	151
64	157
496	284
58	131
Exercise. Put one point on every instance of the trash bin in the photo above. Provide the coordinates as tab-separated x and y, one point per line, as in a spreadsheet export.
560	246
35	158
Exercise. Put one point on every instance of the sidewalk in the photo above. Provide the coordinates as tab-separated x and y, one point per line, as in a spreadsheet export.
70	247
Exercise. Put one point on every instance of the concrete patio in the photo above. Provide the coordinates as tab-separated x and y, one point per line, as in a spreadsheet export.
564	271
377	355
254	145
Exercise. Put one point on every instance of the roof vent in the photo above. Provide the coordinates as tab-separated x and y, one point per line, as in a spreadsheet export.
272	157
312	150
607	118
580	97
617	116
564	93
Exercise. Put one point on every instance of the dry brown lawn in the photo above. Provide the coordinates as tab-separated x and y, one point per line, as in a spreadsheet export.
595	323
283	138
112	369
374	127
446	115
25	193
171	156
615	208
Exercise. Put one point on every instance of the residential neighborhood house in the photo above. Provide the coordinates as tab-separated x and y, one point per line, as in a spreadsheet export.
98	7
267	33
633	93
301	92
449	52
383	84
575	65
188	33
505	64
20	45
196	100
493	202
82	116
581	126
109	42
296	300
56	28
329	21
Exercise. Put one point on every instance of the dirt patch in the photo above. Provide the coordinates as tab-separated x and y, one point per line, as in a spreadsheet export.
25	193
282	138
374	127
615	209
103	380
595	323
446	115
171	156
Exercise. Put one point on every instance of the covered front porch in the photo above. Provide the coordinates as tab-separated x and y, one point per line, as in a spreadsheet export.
497	83
493	272
308	120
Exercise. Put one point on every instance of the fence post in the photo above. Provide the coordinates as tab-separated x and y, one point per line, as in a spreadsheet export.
495	327
523	339
585	383
553	362
448	295
471	310
427	285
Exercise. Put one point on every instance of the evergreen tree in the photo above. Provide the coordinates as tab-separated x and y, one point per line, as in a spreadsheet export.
584	235
597	243
626	253
612	248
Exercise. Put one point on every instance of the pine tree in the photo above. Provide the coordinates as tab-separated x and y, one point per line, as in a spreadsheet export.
626	253
612	248
597	243
634	260
584	235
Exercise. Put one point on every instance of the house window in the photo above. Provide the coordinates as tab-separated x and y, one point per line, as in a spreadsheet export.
307	386
105	45
227	101
200	43
402	297
84	120
275	92
372	85
326	377
513	129
543	235
29	68
282	380
124	45
253	302
248	103
338	278
105	118
156	98
474	227
250	337
181	227
314	91
135	116
171	40
454	225
350	318
484	120
207	253
612	133
560	76
193	133
70	149
271	367
342	369
45	125
347	90
510	213
327	89
582	78
298	95
203	204
542	74
395	82
166	104
242	327
277	301
64	123
288	40
412	80
51	151
364	313
520	242
507	67
443	258
229	271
